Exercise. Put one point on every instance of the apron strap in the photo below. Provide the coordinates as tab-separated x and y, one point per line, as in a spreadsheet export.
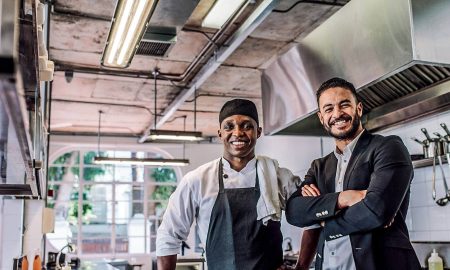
257	178
221	188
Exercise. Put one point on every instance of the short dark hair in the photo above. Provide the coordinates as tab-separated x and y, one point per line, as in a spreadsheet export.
336	82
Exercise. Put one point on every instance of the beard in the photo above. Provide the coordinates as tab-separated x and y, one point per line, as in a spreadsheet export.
350	134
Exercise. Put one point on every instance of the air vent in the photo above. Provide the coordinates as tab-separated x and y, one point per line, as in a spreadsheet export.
157	41
153	48
401	84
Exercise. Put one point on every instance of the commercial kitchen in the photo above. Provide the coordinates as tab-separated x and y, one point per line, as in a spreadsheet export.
106	105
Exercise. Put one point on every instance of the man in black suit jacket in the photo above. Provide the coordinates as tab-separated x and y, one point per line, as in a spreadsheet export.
358	194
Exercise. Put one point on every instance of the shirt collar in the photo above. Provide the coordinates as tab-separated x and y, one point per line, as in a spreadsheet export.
249	167
348	150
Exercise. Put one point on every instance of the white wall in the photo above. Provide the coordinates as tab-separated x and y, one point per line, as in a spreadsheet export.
295	153
11	231
427	222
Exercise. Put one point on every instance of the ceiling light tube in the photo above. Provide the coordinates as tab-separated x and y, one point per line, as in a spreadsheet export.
221	12
141	161
174	135
127	28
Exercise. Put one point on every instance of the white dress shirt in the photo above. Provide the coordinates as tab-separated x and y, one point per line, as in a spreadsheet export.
197	192
337	254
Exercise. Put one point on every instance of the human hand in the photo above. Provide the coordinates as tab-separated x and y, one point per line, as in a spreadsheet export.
310	191
348	198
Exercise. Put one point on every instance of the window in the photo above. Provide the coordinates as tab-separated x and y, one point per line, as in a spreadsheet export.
108	209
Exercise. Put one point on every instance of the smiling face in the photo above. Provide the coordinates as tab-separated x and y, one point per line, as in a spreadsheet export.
239	134
340	114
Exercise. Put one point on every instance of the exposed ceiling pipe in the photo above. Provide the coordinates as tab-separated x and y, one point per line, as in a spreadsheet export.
253	21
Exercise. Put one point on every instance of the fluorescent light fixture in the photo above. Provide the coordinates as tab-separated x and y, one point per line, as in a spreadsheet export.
127	28
174	135
141	161
221	12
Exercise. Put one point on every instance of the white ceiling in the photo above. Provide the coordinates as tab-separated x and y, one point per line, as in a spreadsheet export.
78	32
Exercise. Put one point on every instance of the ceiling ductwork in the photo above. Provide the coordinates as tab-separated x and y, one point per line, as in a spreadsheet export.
157	41
168	18
394	52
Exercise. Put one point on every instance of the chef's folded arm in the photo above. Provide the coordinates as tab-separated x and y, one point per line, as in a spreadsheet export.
388	187
306	211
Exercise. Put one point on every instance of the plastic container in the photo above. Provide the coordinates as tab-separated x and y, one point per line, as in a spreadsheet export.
435	262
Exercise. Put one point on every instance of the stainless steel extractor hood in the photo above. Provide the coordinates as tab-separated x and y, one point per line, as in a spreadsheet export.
397	54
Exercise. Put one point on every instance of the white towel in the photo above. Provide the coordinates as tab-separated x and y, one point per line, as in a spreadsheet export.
276	185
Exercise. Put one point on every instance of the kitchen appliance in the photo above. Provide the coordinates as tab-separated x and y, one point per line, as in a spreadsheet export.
394	52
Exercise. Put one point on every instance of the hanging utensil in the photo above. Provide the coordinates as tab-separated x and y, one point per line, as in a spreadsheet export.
435	145
433	180
441	144
446	141
443	201
425	146
425	132
444	126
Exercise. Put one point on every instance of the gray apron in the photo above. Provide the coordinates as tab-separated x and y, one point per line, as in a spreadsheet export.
236	240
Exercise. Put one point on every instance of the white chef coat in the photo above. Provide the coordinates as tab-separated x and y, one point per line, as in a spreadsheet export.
197	192
337	253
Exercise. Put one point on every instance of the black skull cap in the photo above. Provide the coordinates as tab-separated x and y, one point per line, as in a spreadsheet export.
239	107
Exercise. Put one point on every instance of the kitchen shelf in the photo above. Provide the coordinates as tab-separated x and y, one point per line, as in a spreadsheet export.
426	162
20	171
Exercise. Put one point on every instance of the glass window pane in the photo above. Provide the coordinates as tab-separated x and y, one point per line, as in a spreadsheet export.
101	212
63	233
97	192
69	158
128	173
129	192
126	209
98	173
134	231
157	208
138	245
63	174
163	175
161	192
96	245
88	157
122	245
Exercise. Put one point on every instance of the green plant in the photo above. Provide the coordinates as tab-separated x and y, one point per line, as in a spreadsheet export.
161	174
163	193
57	173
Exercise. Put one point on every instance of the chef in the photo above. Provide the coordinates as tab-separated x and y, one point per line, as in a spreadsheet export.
236	201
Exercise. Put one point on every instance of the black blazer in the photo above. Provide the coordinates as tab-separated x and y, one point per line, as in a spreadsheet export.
381	165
